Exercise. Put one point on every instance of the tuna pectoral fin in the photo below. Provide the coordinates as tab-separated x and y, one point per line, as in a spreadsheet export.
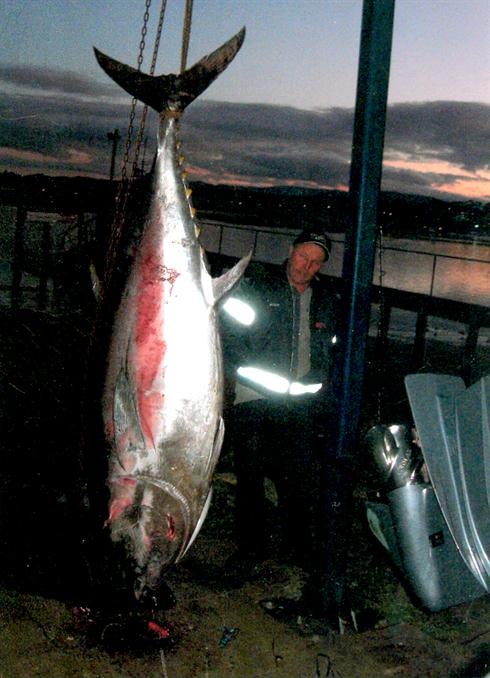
225	282
125	415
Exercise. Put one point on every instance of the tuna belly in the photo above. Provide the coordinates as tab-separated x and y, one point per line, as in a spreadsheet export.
190	379
175	364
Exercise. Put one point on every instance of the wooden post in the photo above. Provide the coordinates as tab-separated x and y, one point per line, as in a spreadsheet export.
114	137
80	229
381	342
469	353
45	267
18	262
419	343
384	320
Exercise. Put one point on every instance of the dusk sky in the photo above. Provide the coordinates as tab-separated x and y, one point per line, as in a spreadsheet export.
283	111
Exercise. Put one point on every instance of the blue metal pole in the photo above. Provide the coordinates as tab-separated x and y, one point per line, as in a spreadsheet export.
360	241
358	265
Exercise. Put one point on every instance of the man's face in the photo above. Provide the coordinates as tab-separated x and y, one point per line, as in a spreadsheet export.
305	260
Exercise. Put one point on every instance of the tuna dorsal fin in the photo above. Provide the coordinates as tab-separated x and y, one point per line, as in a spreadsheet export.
225	282
172	92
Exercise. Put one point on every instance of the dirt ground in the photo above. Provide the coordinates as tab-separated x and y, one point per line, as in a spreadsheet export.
45	637
220	626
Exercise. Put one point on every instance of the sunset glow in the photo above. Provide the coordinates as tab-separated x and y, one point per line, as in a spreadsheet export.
283	116
471	185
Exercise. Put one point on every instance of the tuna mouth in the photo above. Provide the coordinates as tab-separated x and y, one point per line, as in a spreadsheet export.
154	528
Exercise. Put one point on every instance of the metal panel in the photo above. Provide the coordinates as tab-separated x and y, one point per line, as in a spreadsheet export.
433	399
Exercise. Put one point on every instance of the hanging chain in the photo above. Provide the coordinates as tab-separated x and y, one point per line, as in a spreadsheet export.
144	113
158	36
186	33
134	102
125	185
132	115
123	190
144	30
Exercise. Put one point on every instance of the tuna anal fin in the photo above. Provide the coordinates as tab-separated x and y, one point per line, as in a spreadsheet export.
225	282
218	442
200	522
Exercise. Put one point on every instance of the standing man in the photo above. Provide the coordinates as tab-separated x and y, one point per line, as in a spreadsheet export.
278	330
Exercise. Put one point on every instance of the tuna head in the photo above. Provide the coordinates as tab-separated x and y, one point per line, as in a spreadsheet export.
151	517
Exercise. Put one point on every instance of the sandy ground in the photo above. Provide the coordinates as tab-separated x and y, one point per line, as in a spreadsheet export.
43	637
48	628
220	626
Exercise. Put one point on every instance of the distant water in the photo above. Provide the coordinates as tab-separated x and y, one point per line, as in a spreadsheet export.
443	269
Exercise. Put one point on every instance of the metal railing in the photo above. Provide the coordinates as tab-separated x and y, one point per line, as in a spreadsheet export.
31	277
443	270
440	269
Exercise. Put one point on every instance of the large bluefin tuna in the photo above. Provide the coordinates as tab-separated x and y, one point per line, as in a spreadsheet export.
163	390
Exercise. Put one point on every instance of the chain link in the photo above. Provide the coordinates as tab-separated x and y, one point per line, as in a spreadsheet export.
144	113
186	34
156	47
132	115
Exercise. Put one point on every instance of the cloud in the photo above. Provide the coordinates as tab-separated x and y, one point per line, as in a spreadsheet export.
458	132
273	143
54	80
431	148
26	157
437	148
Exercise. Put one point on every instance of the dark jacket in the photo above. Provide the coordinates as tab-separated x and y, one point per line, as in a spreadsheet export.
270	342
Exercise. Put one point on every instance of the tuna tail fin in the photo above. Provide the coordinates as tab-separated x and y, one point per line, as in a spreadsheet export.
172	92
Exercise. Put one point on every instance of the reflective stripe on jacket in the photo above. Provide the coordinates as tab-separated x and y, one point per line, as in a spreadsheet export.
264	334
